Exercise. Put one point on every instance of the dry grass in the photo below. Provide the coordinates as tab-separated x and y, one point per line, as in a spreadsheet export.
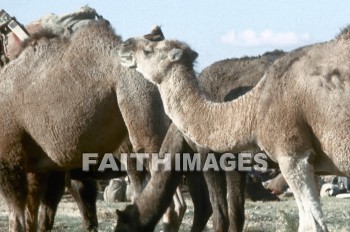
272	216
283	216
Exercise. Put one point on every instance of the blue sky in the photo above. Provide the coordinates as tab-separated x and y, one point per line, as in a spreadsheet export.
215	29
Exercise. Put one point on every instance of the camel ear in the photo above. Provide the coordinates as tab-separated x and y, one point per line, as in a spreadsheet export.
121	215
194	56
155	35
118	212
175	54
131	211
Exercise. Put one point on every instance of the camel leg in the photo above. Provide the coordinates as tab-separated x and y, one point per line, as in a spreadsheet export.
200	197
36	188
172	217
299	174
236	189
13	182
216	185
151	205
49	202
169	218
84	193
218	197
180	204
137	178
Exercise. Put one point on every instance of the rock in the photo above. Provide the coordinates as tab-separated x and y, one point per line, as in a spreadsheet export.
343	195
115	191
329	190
277	185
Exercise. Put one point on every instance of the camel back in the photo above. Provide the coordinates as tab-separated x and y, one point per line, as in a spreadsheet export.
57	25
344	34
230	78
68	23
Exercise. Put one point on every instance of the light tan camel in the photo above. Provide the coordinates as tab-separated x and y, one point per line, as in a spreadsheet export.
223	81
298	113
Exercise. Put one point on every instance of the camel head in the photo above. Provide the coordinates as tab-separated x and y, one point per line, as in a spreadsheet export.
128	220
152	55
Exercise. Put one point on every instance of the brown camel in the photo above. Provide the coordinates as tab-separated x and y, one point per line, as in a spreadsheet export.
99	133
83	190
154	125
297	113
229	79
67	24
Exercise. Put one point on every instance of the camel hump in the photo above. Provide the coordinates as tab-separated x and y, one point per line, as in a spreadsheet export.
70	22
344	34
49	26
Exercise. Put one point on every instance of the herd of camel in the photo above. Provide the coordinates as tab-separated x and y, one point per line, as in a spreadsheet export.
84	90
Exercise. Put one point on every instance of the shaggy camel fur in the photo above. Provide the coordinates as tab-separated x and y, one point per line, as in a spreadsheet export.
84	190
50	203
196	190
81	115
152	120
297	113
222	81
229	79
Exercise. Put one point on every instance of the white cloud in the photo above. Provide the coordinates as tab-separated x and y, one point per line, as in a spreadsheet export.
250	38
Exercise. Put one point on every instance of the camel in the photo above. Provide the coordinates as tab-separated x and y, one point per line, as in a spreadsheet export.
154	128
83	190
50	202
211	178
297	113
228	79
113	120
222	81
58	25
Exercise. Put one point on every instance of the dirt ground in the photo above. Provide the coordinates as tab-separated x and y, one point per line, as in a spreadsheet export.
260	216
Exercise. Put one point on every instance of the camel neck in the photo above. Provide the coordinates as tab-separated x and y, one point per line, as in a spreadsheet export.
222	127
